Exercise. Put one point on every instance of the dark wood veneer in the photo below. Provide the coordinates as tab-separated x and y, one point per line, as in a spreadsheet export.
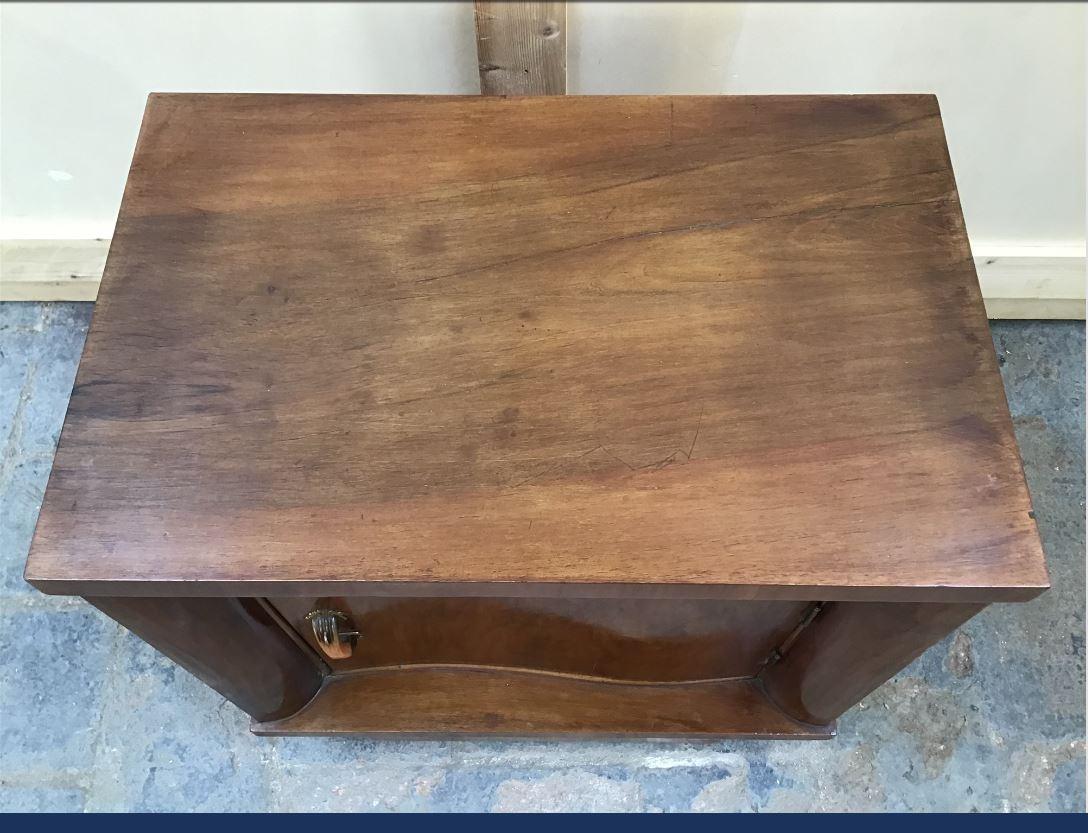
455	701
662	640
576	404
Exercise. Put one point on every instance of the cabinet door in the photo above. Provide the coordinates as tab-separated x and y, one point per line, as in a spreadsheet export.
658	640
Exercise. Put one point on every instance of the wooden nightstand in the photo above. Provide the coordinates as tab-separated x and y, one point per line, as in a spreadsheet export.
660	416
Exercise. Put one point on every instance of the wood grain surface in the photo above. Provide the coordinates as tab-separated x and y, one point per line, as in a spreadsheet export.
449	702
482	343
521	48
850	649
663	640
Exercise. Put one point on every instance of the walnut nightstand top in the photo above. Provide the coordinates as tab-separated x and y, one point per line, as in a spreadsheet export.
697	345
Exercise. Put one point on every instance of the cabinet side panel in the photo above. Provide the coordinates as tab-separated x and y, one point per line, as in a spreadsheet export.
853	647
233	645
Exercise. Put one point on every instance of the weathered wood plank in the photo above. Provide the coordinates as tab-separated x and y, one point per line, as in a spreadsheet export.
522	48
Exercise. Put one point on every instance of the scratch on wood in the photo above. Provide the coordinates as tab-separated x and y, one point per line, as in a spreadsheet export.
813	213
555	467
617	458
698	428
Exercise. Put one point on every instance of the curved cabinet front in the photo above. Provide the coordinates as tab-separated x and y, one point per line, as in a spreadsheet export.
650	640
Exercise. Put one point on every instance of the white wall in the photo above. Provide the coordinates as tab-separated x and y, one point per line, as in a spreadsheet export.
74	78
1010	77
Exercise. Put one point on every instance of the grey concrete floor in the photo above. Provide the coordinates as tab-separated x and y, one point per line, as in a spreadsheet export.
991	719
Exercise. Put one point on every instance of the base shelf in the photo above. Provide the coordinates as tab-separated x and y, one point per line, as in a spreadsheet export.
467	701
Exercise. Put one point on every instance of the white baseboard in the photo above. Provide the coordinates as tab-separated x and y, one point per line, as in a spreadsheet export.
1017	281
1032	281
51	270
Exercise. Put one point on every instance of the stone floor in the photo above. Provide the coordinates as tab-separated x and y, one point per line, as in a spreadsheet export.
992	719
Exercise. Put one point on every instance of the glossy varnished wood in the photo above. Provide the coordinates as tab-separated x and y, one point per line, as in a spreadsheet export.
239	647
670	343
663	640
450	702
853	647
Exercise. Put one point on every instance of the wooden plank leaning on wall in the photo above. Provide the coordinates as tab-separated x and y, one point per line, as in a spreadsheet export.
522	48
